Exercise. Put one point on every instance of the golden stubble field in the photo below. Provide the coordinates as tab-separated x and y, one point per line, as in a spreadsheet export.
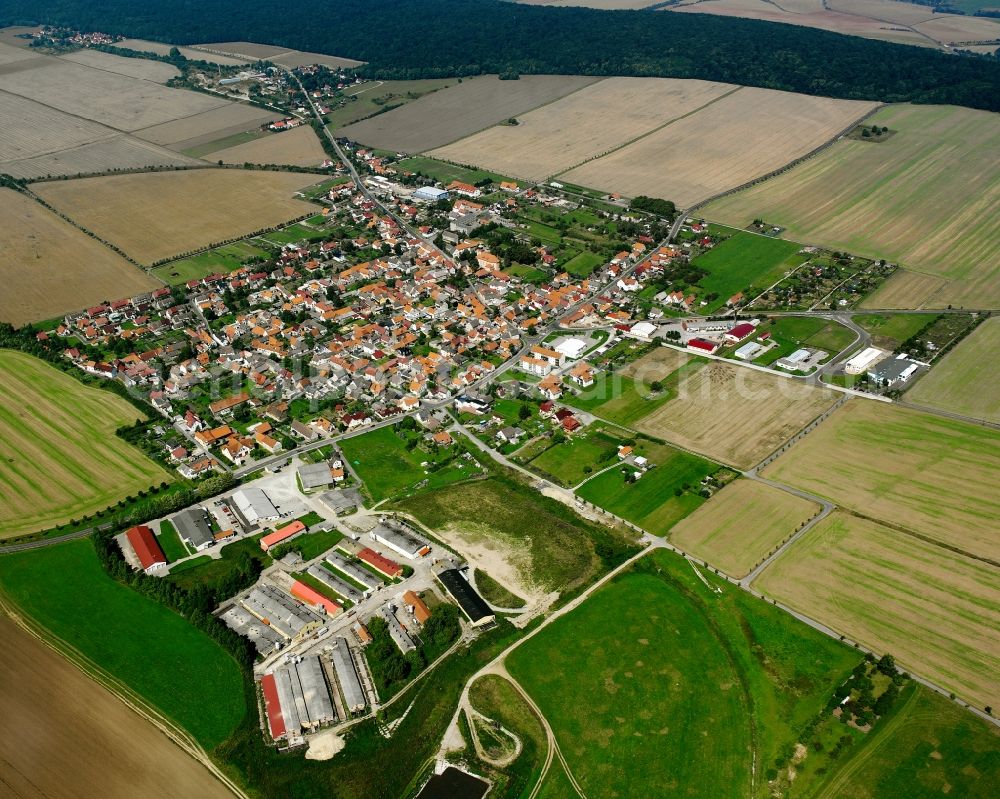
152	216
65	736
298	147
656	365
935	476
937	612
885	200
584	125
450	114
741	137
966	380
735	415
739	526
48	267
61	457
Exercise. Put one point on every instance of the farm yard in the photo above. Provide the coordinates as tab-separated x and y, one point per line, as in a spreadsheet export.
66	591
61	456
960	382
34	265
734	415
741	524
656	680
298	147
51	706
451	114
693	159
894	593
153	216
742	261
883	200
910	469
658	499
567	132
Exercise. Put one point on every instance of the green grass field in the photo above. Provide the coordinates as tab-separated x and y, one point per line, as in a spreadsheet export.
312	545
206	570
893	329
744	260
652	501
61	458
494	593
387	467
584	264
446	172
158	654
556	548
531	274
292	234
201	150
579	456
171	543
222	259
658	684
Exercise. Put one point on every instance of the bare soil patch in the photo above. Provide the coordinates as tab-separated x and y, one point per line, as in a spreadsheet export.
741	524
743	136
586	124
458	111
152	216
735	415
937	612
48	267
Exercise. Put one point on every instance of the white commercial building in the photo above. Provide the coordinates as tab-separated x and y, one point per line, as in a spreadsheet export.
749	351
430	194
571	347
864	359
254	505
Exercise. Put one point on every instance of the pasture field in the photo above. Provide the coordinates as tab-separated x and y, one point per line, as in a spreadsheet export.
118	101
584	264
446	116
141	68
741	524
61	456
693	159
936	611
179	670
385	465
658	681
530	543
661	497
883	200
922	472
48	267
563	134
573	460
745	262
889	331
51	708
199	130
298	147
222	259
928	747
735	415
960	382
153	216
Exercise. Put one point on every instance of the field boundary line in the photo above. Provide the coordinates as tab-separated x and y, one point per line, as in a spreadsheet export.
119	689
650	132
600	78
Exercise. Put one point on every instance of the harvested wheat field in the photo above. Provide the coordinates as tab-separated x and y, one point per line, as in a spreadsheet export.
942	28
141	68
735	415
120	102
922	472
656	365
450	114
65	736
121	152
935	611
61	457
153	216
808	13
208	126
966	380
885	200
609	5
298	147
278	55
145	46
740	526
12	54
741	137
31	129
563	134
48	267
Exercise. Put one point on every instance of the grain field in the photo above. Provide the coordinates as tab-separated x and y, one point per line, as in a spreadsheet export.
298	147
141	68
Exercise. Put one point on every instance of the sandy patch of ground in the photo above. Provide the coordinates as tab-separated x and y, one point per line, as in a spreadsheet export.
324	745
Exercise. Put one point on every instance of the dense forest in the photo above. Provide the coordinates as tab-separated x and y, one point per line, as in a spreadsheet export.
430	38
